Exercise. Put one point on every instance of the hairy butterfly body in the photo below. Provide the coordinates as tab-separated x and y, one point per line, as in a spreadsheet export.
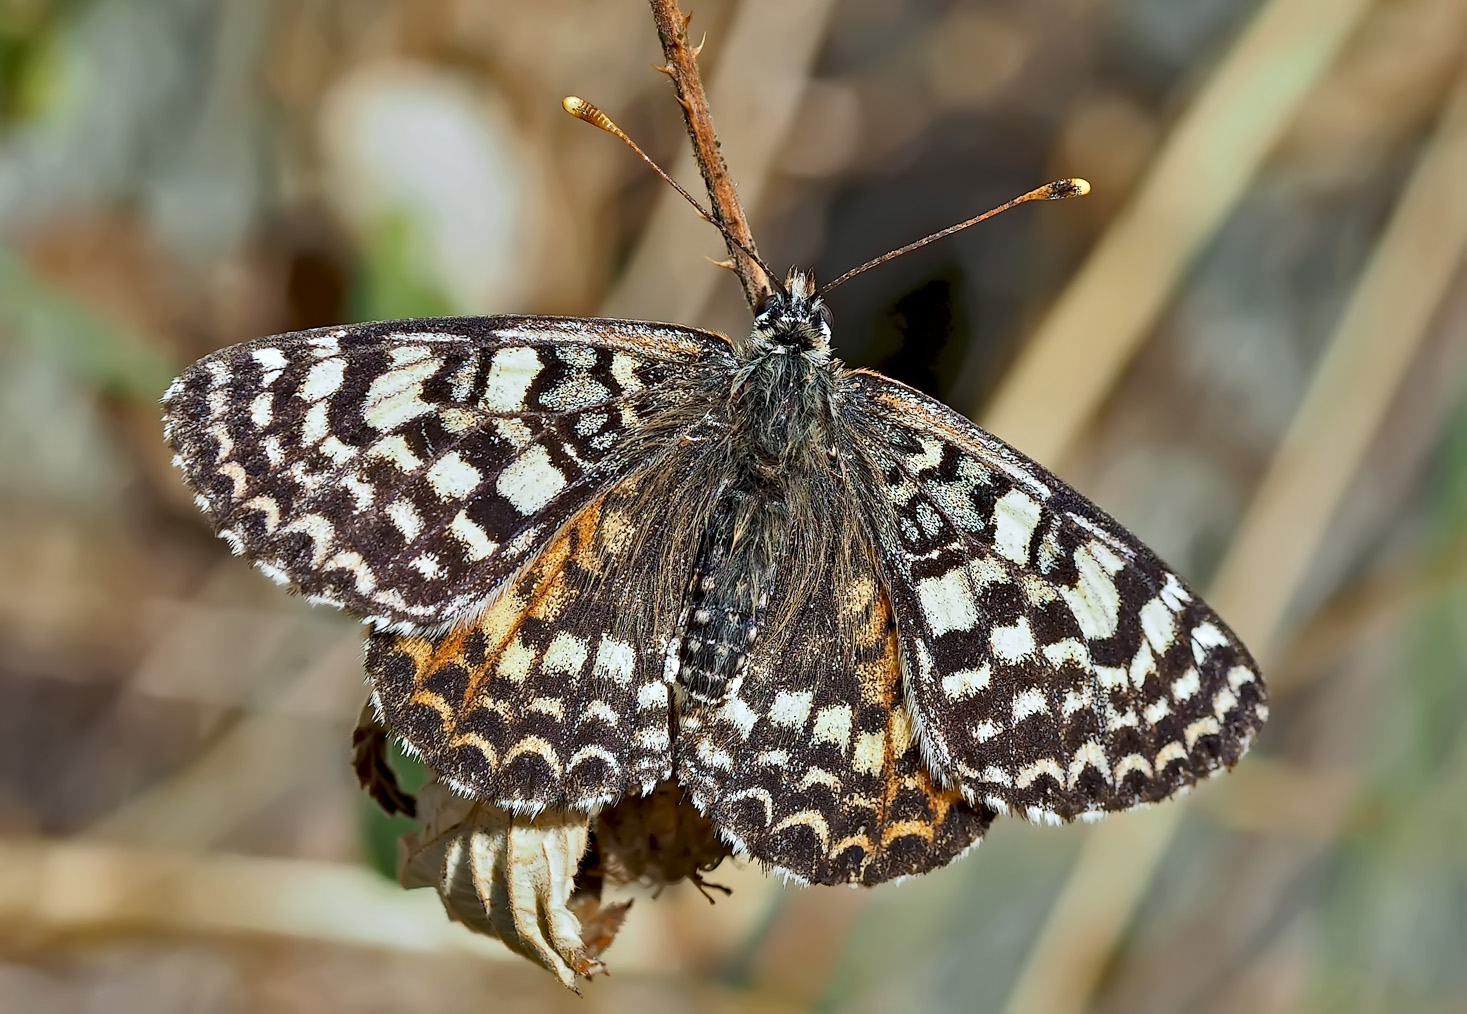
598	554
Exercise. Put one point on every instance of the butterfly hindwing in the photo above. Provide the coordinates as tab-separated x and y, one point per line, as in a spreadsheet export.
812	766
555	695
1055	667
402	470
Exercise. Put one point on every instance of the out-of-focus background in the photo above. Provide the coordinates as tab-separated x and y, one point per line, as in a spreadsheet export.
1248	344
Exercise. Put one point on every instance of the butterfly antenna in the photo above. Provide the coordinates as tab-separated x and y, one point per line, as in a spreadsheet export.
1056	191
583	110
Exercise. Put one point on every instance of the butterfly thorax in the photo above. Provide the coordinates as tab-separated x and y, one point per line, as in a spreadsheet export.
782	414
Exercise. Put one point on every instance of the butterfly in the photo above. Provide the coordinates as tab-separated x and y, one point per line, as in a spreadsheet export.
596	555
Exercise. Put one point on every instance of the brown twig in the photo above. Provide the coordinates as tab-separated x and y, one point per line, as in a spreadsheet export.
682	67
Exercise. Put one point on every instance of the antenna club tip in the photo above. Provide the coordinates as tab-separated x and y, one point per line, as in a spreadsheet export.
583	110
1073	187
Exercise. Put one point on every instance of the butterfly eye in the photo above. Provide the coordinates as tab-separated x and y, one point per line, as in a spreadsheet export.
765	302
827	316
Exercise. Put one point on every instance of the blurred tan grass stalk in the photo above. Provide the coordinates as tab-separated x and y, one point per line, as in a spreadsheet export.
87	886
1383	325
1107	311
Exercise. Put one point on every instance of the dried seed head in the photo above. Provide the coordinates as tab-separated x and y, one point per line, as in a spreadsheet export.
511	877
535	884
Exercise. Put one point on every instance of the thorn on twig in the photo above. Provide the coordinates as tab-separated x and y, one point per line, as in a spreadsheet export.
687	106
727	262
666	68
698	49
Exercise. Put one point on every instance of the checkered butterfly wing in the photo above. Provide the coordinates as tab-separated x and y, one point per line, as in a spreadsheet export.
404	470
812	766
554	696
485	491
1055	667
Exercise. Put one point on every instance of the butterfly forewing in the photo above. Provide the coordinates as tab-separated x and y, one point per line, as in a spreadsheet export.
403	470
1055	666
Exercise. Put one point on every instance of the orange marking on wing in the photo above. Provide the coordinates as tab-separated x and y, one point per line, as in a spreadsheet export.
539	746
881	681
588	524
806	818
908	829
448	651
880	676
861	841
551	598
479	743
541	591
428	699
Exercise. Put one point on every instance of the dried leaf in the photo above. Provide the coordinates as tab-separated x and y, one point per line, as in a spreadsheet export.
511	877
535	884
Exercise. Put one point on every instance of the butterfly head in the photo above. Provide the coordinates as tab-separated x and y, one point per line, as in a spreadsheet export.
795	318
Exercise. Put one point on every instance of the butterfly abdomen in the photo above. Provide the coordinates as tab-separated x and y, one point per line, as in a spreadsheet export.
727	600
